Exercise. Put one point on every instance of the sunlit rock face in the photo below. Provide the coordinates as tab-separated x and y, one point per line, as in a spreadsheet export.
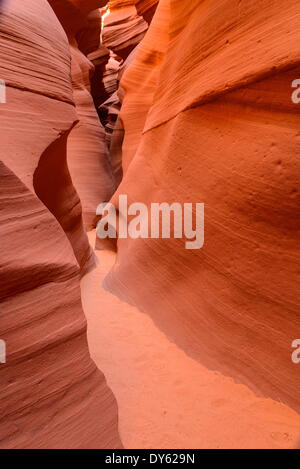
51	394
208	117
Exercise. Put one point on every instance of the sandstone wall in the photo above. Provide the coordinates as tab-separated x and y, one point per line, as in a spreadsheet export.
87	151
124	28
208	117
51	394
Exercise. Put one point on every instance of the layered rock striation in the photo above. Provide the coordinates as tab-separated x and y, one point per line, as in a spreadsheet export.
124	28
87	151
208	118
52	395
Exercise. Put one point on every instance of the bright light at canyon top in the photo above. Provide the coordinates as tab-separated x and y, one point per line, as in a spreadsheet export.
104	13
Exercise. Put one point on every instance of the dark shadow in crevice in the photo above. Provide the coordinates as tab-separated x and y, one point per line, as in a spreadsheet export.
54	187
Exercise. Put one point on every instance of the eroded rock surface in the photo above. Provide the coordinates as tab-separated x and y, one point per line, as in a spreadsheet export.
146	8
124	28
87	151
52	395
208	117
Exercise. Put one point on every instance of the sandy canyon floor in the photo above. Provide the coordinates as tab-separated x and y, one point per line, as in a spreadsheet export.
165	398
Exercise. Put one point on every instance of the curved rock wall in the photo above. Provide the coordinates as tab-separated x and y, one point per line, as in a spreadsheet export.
124	28
87	150
139	82
208	117
146	8
52	395
121	27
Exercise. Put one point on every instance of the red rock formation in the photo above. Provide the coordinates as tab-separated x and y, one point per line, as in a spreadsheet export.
146	8
87	151
52	395
124	28
88	37
73	12
208	117
139	83
120	26
109	112
89	42
108	109
99	59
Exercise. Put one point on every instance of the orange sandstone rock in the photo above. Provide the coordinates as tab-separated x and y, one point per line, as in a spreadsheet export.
124	28
146	8
88	37
87	151
140	81
52	395
208	117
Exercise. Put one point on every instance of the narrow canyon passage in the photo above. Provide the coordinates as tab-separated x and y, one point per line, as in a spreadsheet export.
172	128
165	398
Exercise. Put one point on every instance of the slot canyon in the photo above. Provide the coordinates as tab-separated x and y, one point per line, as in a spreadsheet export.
136	341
